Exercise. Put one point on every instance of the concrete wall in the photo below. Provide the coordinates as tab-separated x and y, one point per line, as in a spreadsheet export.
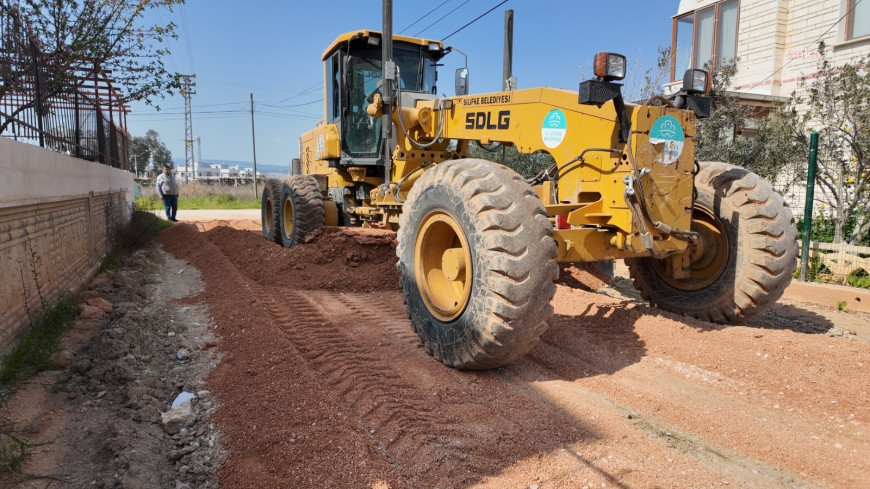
58	216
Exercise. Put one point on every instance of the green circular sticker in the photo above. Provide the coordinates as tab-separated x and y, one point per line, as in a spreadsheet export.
668	132
554	128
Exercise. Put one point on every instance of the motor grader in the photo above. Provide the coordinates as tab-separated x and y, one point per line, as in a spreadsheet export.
479	245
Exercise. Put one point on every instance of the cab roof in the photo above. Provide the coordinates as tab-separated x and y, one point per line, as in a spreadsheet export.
365	34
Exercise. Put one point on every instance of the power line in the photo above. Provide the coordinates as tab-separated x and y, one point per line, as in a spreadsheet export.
310	89
475	20
424	16
171	56
164	110
187	38
293	105
442	18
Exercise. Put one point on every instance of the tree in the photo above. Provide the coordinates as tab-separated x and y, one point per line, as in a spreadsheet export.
527	165
718	137
83	37
143	148
836	103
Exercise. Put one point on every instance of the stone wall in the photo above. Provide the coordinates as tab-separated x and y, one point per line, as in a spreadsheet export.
58	217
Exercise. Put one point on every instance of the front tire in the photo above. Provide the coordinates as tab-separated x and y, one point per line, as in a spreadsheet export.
476	264
744	260
302	210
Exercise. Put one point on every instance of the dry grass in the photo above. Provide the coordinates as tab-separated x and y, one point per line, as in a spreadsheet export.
202	196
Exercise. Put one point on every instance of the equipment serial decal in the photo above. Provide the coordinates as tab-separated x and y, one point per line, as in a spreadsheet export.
488	100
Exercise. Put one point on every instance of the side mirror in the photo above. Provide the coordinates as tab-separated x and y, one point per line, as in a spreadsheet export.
461	82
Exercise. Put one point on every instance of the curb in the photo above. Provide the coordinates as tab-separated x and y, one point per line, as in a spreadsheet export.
829	295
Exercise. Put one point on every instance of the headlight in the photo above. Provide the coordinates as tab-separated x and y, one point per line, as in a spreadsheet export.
696	81
610	66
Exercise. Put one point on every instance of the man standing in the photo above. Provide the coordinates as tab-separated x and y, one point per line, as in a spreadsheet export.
168	191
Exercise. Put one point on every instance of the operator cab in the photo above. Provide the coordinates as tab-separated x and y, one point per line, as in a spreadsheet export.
353	75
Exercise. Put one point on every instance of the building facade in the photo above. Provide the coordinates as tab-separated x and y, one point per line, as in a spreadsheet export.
775	43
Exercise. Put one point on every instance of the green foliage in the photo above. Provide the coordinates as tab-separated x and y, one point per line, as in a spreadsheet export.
149	203
527	165
718	138
34	350
824	227
841	305
13	452
836	104
76	36
212	201
146	147
111	261
859	278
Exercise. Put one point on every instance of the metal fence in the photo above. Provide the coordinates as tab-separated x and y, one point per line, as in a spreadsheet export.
839	263
79	114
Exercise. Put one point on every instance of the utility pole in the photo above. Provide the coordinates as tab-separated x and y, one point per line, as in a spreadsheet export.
254	145
388	75
199	157
136	165
508	82
187	89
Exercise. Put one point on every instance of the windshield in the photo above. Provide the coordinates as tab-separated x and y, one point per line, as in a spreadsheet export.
416	71
416	74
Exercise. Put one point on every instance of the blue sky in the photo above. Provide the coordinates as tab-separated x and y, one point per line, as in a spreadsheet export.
273	48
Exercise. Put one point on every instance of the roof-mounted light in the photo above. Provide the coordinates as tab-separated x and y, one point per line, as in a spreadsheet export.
609	66
696	81
374	40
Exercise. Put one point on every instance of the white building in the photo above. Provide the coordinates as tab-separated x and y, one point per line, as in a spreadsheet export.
775	42
212	171
776	46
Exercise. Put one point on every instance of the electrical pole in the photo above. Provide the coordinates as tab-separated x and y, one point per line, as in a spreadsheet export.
254	145
187	89
136	165
508	82
198	158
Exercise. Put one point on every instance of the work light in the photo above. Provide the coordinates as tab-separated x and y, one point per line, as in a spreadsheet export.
610	66
696	81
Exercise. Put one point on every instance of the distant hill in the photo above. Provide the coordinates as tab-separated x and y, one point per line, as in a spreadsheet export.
268	170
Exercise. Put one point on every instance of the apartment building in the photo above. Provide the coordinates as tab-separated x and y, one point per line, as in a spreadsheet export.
775	42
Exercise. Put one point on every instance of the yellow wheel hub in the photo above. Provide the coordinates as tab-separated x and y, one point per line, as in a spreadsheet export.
442	266
707	258
287	217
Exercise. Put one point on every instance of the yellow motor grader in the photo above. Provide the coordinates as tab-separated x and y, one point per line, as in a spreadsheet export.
478	245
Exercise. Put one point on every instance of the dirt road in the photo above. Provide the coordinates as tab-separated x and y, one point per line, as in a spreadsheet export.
320	382
324	385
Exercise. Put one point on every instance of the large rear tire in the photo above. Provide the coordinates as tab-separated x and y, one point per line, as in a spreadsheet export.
302	210
744	260
476	264
269	210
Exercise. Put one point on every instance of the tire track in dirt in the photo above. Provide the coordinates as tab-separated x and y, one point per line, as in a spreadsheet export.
393	320
388	409
690	377
615	393
554	359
